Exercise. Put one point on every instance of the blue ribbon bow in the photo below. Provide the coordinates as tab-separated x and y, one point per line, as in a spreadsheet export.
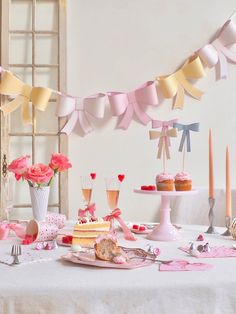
186	128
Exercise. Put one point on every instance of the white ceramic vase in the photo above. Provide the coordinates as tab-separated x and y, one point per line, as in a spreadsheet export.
39	201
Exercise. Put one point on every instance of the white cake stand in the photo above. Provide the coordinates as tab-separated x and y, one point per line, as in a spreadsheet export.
165	231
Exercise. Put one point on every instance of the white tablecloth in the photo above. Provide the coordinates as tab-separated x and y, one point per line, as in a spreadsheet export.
64	288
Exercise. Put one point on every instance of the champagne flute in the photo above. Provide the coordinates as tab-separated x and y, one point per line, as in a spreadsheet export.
87	187
113	192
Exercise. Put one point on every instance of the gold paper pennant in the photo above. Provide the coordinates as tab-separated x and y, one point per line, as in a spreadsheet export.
12	86
176	84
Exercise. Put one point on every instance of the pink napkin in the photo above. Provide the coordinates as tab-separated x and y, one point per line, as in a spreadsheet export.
182	265
216	251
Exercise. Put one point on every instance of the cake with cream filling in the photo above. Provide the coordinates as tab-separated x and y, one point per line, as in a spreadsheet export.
87	229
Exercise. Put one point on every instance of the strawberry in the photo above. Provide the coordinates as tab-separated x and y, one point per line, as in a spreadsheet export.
121	177
151	188
142	228
93	176
144	187
135	227
200	237
65	240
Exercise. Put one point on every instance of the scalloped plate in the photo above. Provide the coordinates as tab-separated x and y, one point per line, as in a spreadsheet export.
90	260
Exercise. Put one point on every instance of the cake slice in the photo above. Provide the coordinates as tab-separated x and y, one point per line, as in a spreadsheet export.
87	229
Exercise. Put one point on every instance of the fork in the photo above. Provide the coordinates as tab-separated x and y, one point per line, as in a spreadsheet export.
152	259
15	252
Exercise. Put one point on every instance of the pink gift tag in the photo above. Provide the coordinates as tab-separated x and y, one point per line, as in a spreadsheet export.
182	265
43	230
56	219
216	251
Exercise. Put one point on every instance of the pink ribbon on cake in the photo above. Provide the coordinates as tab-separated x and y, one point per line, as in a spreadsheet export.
79	111
6	227
164	125
90	209
217	52
125	105
115	214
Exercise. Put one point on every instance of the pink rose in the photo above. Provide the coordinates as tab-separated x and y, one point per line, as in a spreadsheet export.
19	166
59	162
39	173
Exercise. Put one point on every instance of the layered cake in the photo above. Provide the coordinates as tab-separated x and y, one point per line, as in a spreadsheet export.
87	229
165	182
183	181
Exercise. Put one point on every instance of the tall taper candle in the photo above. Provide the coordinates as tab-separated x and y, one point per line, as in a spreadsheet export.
211	169
228	188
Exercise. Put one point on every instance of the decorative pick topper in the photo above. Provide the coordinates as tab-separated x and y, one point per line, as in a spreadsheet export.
164	125
163	147
93	176
79	110
186	128
11	86
217	52
126	105
176	84
121	177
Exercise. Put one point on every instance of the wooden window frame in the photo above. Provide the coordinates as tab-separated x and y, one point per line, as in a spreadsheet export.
5	32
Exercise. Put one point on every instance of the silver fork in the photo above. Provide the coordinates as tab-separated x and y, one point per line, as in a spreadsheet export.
15	252
152	259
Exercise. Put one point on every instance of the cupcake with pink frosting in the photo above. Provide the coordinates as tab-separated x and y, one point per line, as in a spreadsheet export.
183	181
165	182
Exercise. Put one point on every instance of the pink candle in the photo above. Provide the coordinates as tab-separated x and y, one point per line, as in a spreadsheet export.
228	189
211	170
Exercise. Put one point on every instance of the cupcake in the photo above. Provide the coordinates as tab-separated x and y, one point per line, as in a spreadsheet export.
165	182
183	182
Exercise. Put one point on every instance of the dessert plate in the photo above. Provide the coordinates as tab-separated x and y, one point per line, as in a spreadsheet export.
140	232
90	260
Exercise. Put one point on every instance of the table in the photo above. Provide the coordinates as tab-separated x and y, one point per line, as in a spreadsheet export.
61	287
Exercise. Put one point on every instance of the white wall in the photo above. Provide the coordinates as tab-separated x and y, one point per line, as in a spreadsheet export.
117	45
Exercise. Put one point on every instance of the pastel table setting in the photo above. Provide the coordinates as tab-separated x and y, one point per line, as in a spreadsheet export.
102	290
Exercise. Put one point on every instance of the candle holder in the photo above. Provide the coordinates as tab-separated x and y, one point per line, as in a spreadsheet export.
211	216
227	225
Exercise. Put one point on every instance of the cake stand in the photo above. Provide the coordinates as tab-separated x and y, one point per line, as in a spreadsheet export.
165	231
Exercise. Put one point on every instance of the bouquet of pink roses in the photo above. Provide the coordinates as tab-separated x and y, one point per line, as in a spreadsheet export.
39	175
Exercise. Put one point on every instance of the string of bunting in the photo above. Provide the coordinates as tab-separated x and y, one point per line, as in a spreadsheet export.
126	105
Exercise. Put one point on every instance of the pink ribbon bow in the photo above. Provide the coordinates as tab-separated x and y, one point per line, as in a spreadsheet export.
126	105
115	214
164	125
217	52
90	209
17	228
80	110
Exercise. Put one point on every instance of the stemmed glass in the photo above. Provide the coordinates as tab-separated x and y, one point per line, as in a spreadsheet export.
87	187
113	192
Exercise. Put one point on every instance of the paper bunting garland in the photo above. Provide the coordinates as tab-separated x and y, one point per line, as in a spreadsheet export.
176	84
186	128
125	105
132	104
12	86
163	136
217	52
79	110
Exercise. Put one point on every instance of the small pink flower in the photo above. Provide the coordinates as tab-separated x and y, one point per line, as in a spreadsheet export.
39	173
19	166
59	162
